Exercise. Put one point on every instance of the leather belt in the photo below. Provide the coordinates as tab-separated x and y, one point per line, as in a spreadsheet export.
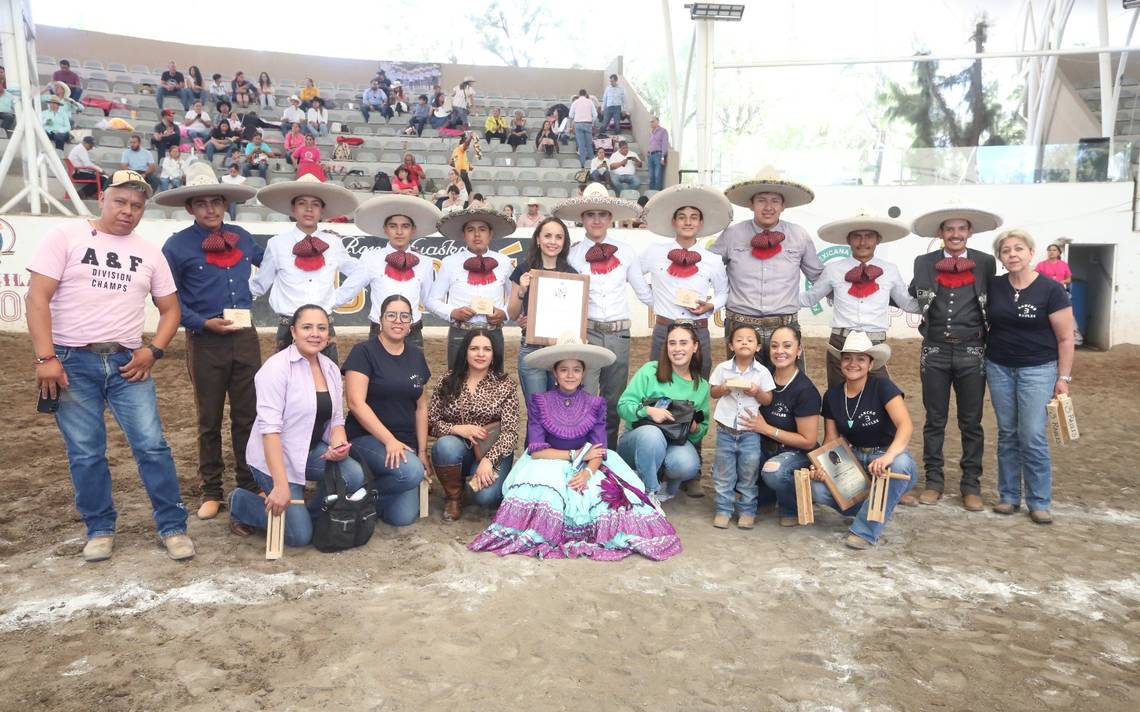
874	336
976	337
104	348
608	327
732	431
699	323
468	326
763	321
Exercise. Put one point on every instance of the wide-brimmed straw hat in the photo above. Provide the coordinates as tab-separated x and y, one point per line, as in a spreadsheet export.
201	181
595	197
374	212
570	346
769	181
857	342
836	232
715	209
338	200
451	225
928	224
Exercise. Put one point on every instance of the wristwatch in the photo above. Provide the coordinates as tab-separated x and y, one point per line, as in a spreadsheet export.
1066	379
158	353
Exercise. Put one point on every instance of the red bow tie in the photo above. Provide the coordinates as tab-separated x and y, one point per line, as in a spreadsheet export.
398	265
480	270
684	262
221	249
602	258
955	272
309	253
766	243
862	278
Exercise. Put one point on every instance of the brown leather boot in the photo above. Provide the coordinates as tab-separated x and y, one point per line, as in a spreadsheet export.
451	481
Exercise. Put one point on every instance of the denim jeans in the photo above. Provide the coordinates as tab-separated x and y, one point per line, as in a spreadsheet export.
736	469
623	182
533	380
644	449
417	123
584	136
315	131
262	170
249	509
454	450
202	133
169	183
211	149
778	472
95	383
1019	398
382	109
399	488
461	114
903	464
183	94
656	171
611	115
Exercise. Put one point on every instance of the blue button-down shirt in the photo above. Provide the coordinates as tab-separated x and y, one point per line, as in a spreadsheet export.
204	290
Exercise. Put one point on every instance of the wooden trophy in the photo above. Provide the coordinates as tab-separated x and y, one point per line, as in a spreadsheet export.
424	489
804	512
877	499
275	536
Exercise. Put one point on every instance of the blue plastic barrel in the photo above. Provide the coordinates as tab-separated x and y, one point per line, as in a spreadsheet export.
1079	294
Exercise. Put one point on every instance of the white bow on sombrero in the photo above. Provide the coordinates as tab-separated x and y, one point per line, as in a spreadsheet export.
836	232
716	211
451	225
338	200
857	342
928	224
374	212
570	347
769	181
201	181
595	197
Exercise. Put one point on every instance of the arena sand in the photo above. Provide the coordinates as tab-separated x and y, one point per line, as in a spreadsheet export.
953	611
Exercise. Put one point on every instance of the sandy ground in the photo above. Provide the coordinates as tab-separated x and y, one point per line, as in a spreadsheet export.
953	611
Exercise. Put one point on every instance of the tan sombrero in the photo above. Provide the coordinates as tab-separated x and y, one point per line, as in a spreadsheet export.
927	224
451	225
595	197
570	346
769	181
836	232
374	212
200	181
715	209
857	342
338	200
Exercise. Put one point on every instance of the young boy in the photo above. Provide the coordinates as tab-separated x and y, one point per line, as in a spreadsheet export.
741	385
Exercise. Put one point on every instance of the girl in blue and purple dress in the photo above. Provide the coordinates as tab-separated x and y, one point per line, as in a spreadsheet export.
554	509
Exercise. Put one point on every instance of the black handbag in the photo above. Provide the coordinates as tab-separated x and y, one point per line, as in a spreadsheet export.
343	523
677	431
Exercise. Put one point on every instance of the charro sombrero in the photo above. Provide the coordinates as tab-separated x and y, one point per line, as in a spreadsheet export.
200	181
570	346
836	232
927	224
451	225
595	197
715	209
769	181
857	342
338	200
374	212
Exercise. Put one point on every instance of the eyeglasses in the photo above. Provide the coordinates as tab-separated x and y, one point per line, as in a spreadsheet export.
402	317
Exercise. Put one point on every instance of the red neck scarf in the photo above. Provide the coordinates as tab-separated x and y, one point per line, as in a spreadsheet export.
766	244
398	265
862	278
602	258
480	270
684	262
955	272
221	249
309	253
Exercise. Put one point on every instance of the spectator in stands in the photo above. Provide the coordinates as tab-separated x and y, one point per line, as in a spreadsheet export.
622	167
397	100
419	117
293	141
266	92
461	163
657	153
583	114
439	113
60	91
307	158
172	83
478	202
453	202
404	183
495	126
195	84
308	93
68	77
600	169
559	116
242	90
257	155
546	141
374	99
251	124
225	113
83	168
7	110
317	118
56	123
172	173
533	215
509	211
415	170
381	78
234	157
165	134
462	100
233	177
293	115
452	180
518	135
197	122
139	160
612	102
218	91
222	138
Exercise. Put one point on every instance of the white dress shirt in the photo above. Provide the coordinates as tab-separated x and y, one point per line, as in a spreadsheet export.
629	168
736	402
293	115
370	272
452	290
710	275
293	287
872	313
608	300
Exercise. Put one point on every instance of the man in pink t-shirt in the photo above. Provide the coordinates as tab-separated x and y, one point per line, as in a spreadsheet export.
86	312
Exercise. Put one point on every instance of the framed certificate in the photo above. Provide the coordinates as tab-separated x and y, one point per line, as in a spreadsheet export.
556	303
844	475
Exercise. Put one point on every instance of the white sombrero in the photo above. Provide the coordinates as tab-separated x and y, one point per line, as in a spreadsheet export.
769	181
200	181
374	212
338	200
715	209
451	225
570	346
595	197
837	232
927	224
857	342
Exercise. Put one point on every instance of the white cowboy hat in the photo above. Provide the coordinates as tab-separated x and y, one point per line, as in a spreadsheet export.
715	209
294	97
374	212
338	200
857	342
200	180
836	232
451	225
396	85
595	197
570	346
769	181
927	224
468	78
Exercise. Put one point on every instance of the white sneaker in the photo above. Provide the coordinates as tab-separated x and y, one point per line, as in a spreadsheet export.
656	500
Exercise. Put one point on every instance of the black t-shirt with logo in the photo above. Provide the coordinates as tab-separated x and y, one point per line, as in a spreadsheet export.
863	420
798	398
395	383
1020	333
176	77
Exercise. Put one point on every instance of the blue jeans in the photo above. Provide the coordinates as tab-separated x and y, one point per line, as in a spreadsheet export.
382	109
656	171
168	183
417	123
211	149
314	131
621	182
454	450
461	114
262	170
778	472
903	464
94	384
399	488
611	114
584	136
533	380
249	509
645	449
183	94
202	133
1019	397
736	469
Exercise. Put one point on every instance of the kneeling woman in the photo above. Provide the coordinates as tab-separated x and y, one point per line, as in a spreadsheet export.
553	509
474	413
871	414
299	429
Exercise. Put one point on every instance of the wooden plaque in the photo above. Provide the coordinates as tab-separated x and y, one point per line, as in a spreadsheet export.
741	383
483	305
557	302
804	513
687	298
843	473
241	318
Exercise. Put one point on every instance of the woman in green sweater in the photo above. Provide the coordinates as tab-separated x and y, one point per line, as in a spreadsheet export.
644	406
